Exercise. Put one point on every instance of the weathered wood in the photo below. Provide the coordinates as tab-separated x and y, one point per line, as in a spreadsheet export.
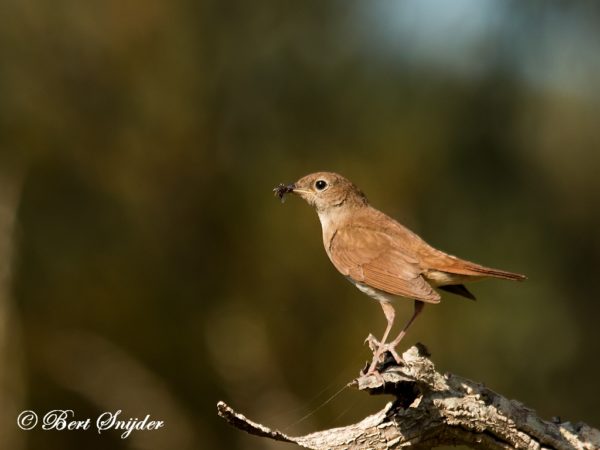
432	409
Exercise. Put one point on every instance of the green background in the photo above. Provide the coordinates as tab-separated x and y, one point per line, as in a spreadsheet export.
147	266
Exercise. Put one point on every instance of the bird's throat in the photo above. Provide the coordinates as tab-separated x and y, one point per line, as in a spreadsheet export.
333	216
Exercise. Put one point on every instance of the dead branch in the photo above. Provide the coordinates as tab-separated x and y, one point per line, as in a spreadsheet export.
431	409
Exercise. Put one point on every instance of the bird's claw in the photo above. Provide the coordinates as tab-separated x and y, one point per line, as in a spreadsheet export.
372	342
383	355
385	348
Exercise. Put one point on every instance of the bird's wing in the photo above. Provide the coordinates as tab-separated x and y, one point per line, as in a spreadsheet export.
376	258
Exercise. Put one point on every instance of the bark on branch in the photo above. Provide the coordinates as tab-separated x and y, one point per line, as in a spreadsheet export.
431	409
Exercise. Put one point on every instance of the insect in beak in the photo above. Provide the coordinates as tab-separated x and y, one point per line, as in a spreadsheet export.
282	189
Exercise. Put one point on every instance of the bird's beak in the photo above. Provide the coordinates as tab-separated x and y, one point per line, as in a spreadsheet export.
281	190
296	190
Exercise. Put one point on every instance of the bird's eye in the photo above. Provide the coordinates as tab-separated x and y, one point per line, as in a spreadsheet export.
320	185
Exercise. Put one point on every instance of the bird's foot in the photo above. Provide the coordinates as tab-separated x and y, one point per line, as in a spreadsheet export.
389	348
384	355
380	349
372	342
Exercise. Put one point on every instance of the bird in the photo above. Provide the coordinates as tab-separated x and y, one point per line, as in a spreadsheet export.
381	257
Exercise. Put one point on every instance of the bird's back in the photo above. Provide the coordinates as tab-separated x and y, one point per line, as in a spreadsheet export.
372	248
432	260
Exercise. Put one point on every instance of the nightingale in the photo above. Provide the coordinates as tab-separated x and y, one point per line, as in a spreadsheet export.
381	257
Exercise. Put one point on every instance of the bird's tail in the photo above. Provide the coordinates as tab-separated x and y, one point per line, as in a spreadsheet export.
462	267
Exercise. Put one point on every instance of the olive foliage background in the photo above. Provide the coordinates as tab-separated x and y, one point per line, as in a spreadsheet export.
148	268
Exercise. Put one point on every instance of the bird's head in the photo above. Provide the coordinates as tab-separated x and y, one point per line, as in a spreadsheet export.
325	190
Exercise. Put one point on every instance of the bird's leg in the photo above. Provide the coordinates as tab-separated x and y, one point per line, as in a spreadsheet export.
392	345
390	314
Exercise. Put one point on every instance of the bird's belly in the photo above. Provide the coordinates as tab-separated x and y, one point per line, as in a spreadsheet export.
372	292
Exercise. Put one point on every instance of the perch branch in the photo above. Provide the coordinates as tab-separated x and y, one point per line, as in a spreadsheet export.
431	409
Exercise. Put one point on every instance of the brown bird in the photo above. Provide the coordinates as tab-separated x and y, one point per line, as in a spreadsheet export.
380	256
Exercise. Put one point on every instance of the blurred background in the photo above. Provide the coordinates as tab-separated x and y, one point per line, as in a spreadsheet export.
145	265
